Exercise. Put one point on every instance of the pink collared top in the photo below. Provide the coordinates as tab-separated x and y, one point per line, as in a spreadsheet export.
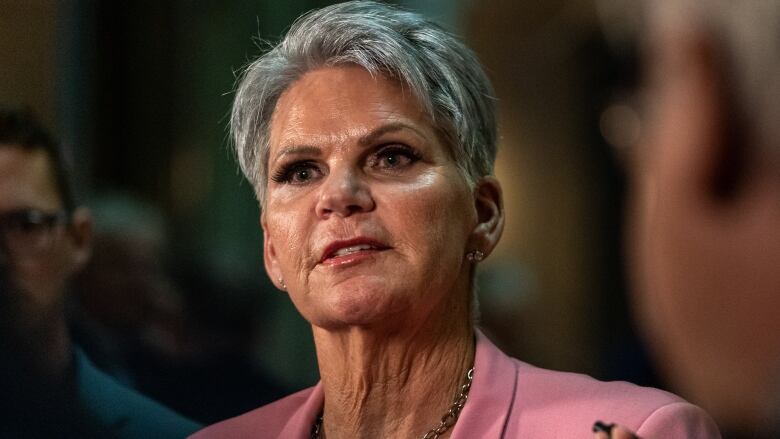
508	399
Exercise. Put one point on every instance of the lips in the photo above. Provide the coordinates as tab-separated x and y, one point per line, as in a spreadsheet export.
339	250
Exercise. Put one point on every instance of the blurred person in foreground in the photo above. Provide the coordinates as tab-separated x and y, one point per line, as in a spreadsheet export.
705	205
53	388
369	136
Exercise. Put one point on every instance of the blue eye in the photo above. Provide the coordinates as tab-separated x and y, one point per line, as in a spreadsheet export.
300	175
297	173
394	157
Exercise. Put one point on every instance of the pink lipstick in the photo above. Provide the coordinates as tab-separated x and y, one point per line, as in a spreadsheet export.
350	251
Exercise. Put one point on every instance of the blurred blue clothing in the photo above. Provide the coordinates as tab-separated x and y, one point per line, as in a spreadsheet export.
126	413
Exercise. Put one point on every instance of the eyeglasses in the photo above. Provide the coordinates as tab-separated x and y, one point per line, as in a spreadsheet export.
30	232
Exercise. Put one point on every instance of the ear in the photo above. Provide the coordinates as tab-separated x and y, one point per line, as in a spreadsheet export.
489	205
269	256
698	141
81	232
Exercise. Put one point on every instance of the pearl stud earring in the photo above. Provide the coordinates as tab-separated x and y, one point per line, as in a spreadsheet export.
475	256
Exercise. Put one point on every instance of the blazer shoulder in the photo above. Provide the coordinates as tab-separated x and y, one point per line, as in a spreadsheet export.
124	411
580	400
576	387
266	421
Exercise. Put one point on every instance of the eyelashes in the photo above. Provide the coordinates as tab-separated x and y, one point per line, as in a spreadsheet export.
393	157
298	172
390	159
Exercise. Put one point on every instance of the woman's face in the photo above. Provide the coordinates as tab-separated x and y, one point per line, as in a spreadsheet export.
367	218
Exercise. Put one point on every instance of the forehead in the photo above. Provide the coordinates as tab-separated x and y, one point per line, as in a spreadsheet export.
335	104
26	179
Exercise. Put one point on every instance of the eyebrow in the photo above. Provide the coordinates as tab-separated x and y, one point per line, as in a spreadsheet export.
364	141
371	137
299	150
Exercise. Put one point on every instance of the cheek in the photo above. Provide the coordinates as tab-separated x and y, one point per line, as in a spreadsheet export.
433	219
288	234
44	278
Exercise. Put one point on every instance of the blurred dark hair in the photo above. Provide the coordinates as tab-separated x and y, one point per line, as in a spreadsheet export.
20	128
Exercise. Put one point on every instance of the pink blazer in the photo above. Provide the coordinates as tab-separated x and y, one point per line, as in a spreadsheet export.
508	399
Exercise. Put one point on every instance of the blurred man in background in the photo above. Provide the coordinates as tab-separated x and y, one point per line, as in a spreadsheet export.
50	388
705	205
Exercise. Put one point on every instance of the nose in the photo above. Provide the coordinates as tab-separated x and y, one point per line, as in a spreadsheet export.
344	193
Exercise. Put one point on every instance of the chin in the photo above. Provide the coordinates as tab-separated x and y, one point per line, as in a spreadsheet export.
358	304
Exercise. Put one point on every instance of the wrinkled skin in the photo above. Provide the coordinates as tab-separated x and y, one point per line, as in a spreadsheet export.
364	181
354	160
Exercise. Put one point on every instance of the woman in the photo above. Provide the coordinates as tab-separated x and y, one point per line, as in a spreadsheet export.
369	135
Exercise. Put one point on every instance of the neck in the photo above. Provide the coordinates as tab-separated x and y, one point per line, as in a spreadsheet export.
392	384
55	348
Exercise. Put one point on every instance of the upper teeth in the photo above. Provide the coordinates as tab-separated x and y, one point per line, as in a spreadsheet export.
352	249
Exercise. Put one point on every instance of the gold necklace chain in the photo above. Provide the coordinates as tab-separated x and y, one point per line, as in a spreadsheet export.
447	421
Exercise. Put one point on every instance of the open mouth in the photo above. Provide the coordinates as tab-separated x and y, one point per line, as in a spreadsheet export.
343	251
352	249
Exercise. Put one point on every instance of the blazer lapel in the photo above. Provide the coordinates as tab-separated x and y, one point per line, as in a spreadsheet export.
492	394
302	420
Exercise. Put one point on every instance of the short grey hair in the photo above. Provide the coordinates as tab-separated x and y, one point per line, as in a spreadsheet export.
441	72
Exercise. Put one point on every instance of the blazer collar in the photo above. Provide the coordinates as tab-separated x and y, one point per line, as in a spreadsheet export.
300	422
